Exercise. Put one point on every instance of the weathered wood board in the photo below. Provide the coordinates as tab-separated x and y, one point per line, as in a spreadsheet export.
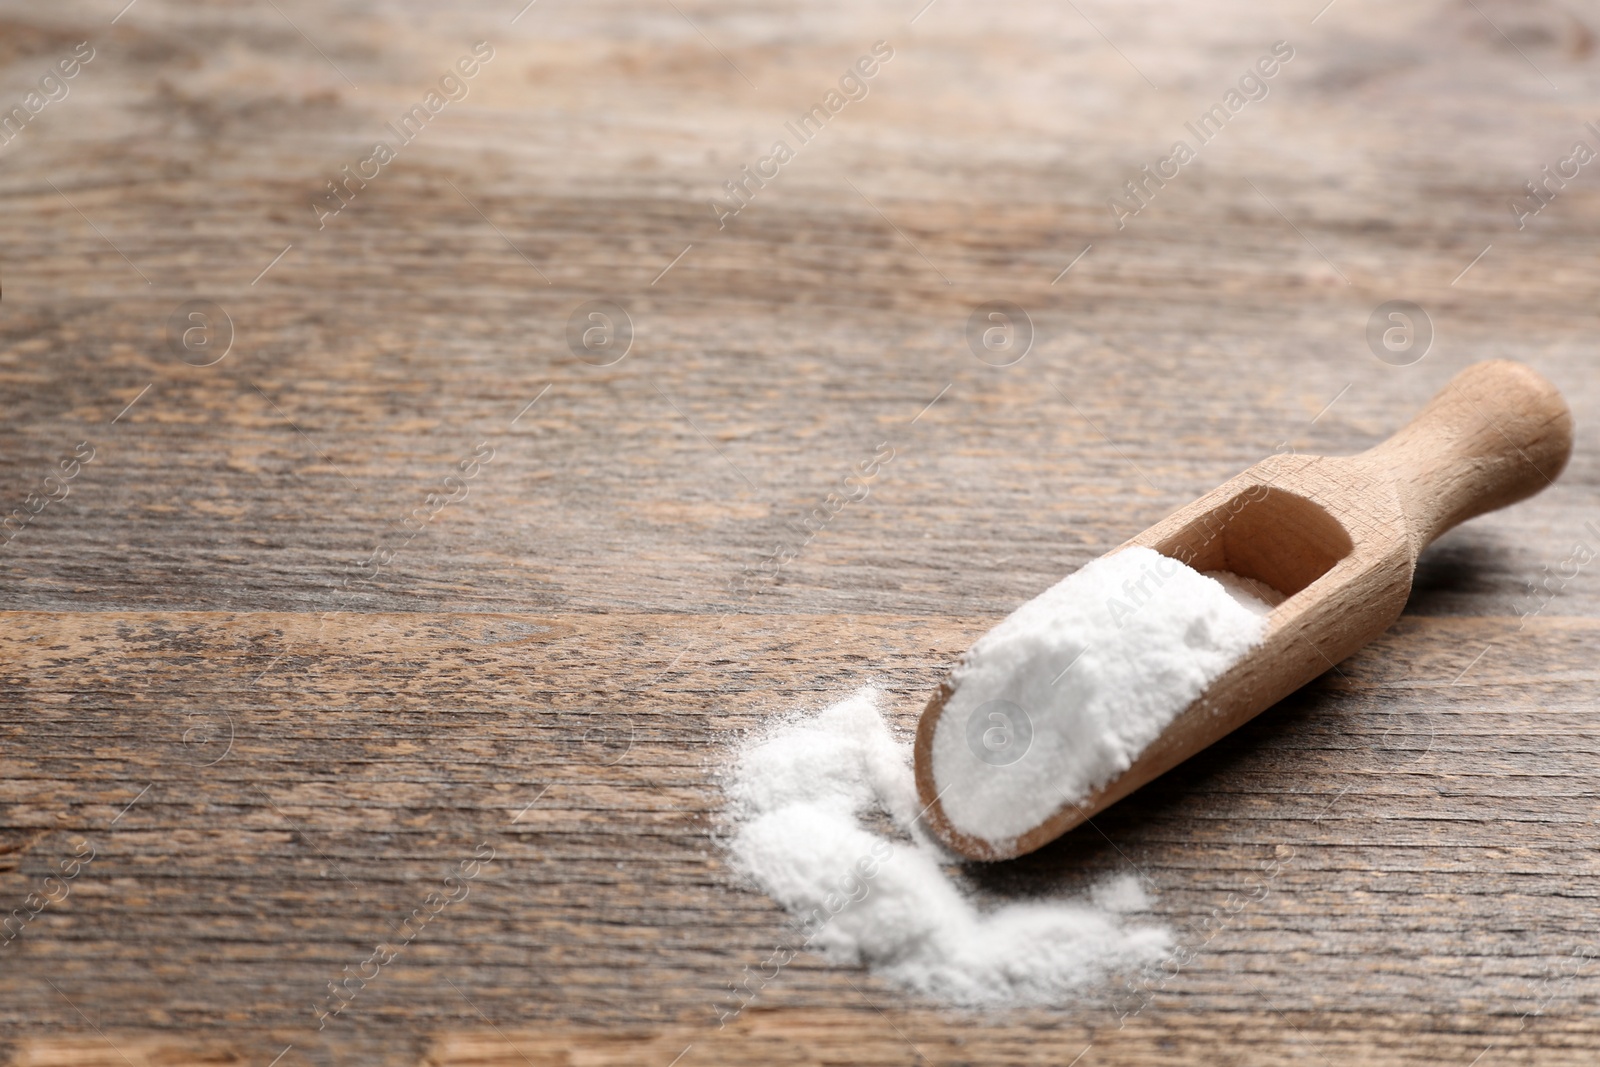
283	664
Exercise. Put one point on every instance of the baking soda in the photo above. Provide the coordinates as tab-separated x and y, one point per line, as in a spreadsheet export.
1069	689
825	816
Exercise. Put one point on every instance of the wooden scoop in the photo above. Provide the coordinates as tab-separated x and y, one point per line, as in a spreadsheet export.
1339	536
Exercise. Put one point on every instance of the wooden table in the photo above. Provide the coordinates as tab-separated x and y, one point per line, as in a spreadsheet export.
275	666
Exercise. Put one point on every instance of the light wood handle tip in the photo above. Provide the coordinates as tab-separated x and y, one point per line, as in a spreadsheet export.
1498	432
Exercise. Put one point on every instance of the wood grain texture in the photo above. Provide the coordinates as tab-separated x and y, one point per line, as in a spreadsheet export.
554	661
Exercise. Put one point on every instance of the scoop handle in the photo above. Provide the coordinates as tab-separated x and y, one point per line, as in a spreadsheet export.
1496	433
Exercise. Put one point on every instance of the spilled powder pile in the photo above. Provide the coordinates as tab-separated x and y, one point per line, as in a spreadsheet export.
1067	691
800	800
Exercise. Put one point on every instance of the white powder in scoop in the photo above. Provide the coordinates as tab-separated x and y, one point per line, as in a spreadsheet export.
1255	596
800	801
1066	692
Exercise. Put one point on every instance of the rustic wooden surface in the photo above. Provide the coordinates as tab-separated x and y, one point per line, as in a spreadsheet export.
273	771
